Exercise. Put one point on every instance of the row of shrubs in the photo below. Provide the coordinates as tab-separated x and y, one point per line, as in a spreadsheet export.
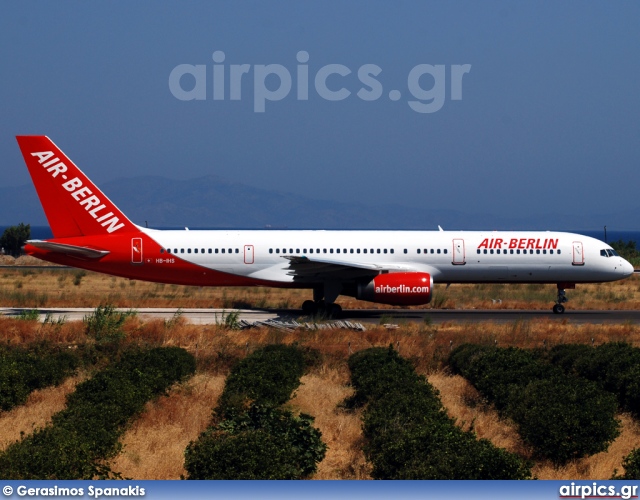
252	436
23	370
408	433
615	366
86	433
562	417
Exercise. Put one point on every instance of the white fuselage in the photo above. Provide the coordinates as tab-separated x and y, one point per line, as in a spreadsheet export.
448	256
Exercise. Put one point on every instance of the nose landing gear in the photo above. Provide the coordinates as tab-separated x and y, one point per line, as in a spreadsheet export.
561	299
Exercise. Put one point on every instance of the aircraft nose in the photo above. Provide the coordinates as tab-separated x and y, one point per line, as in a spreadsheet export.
626	268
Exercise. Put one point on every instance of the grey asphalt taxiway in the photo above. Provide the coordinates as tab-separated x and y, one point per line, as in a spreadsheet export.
371	316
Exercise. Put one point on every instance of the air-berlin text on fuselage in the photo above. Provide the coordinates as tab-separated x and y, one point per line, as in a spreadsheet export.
82	194
520	243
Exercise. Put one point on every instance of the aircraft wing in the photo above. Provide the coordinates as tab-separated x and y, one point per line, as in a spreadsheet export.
313	269
70	250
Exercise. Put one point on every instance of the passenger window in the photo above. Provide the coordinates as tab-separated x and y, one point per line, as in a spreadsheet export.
331	250
385	250
351	250
182	250
538	252
511	251
216	251
544	252
478	250
271	250
324	250
297	250
439	251
222	250
337	250
162	250
304	250
392	250
418	251
358	250
365	251
209	250
551	252
195	250
405	250
490	251
559	251
518	252
485	251
432	251
291	250
237	250
446	251
378	250
311	250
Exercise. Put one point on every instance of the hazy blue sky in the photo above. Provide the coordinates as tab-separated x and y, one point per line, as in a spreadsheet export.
548	120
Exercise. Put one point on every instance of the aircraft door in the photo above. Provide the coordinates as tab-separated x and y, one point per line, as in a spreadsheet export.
458	252
578	254
248	254
136	251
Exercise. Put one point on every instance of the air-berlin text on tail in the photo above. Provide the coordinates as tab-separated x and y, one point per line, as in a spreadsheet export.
82	194
520	243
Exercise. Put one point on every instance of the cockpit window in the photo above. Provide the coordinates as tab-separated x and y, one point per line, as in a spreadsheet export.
613	253
603	252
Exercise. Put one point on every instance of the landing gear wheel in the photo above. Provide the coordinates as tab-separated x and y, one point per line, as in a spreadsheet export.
309	307
334	311
558	309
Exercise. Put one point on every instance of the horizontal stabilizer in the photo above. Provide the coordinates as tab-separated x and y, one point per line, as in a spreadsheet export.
71	250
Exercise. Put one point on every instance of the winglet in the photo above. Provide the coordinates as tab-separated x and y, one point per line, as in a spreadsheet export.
74	206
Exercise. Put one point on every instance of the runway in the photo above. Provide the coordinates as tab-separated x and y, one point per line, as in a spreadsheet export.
365	316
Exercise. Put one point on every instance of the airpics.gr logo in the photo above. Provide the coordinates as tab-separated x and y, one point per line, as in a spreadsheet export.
426	83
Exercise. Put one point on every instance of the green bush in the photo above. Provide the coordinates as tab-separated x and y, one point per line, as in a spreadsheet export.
408	433
105	324
631	464
565	418
86	432
268	376
24	370
262	443
560	416
255	439
498	372
615	366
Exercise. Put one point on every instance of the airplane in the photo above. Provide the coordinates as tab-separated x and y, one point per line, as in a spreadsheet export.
387	267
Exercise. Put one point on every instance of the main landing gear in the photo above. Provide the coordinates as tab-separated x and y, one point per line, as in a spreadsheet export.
323	302
312	308
561	299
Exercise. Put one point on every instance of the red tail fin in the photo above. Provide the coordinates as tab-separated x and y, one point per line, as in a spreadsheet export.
74	206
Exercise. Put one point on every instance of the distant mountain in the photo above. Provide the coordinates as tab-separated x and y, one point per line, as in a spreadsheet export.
213	202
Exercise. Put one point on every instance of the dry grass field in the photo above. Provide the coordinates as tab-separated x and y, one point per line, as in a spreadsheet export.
155	442
76	288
